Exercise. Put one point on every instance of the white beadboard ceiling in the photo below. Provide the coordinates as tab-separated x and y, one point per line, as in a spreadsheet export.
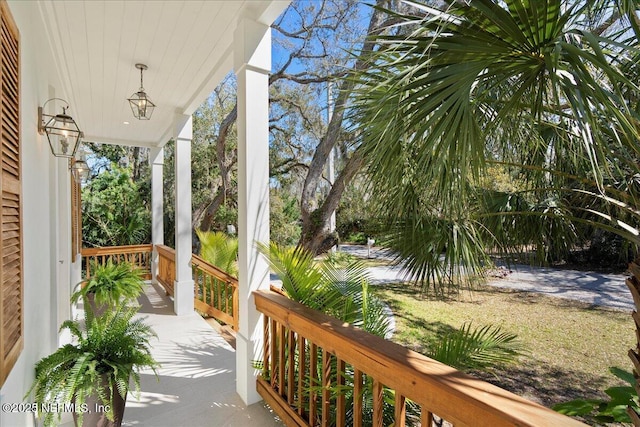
187	45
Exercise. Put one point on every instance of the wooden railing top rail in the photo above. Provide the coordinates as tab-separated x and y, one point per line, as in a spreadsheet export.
202	264
213	270
451	394
163	249
114	250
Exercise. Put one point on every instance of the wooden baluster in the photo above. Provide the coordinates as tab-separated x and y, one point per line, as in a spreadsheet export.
196	284
302	372
219	293
400	410
266	349
426	418
274	355
212	287
222	295
214	283
226	299
236	303
326	385
281	359
357	398
377	403
202	282
291	382
340	399
313	368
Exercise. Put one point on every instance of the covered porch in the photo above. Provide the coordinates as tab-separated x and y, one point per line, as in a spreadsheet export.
183	50
314	370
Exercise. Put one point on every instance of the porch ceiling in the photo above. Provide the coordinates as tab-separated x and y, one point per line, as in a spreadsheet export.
187	45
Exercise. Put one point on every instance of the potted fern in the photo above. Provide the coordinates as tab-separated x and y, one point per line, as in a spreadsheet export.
110	285
91	377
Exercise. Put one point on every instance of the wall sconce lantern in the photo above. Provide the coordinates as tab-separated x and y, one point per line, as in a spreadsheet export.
140	102
79	167
61	130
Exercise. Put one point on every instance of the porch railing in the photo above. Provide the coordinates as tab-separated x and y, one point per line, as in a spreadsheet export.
320	371
137	255
215	291
166	268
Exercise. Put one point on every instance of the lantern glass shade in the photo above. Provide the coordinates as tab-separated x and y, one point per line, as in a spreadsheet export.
63	135
80	170
141	105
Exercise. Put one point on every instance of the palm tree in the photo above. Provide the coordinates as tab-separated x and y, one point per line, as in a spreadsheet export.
543	91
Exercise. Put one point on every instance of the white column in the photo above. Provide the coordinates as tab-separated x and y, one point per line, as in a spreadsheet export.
183	285
252	64
156	161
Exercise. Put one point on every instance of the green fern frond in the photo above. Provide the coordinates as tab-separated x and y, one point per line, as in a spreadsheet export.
112	348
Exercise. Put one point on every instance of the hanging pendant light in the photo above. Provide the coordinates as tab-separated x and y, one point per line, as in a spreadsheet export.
141	104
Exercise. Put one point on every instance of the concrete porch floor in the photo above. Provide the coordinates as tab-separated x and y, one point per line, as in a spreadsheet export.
196	382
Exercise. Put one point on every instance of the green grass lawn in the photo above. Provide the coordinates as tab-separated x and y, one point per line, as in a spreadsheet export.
568	345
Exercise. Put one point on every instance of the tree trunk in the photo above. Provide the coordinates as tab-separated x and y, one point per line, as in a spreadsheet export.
316	236
209	214
319	238
225	164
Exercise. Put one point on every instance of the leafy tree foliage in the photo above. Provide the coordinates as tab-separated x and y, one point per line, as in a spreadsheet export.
545	90
354	221
113	210
284	217
312	41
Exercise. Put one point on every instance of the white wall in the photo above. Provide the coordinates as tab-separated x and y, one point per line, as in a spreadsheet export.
44	190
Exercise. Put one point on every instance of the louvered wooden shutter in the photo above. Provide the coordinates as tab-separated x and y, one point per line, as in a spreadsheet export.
76	218
11	269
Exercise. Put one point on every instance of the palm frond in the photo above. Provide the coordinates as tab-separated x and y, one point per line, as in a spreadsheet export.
476	348
220	250
340	291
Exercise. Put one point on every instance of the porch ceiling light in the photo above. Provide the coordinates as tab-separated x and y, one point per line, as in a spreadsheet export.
61	130
141	105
